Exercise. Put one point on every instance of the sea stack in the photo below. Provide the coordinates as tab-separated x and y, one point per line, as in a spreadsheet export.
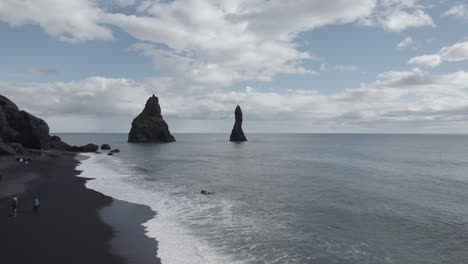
237	135
149	126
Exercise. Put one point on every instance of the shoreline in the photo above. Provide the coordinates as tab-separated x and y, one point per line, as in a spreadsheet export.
75	224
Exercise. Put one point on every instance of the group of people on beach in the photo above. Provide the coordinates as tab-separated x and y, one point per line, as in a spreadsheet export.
14	206
23	160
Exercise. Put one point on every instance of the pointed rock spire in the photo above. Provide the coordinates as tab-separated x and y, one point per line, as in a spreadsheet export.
149	126
237	134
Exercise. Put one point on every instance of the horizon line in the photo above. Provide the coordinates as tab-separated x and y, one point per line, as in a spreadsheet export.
268	133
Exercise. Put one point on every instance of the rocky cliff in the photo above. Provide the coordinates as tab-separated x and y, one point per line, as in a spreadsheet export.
149	126
18	126
237	134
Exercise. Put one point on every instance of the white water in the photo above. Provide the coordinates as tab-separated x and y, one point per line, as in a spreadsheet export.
177	243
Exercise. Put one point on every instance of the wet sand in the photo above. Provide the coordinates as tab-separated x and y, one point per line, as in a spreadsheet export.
74	224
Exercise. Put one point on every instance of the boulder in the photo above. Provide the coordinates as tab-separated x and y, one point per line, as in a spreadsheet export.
149	125
110	154
105	147
89	148
54	138
75	149
55	142
60	145
237	134
115	151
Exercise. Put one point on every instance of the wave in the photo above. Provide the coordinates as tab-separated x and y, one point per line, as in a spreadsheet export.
177	243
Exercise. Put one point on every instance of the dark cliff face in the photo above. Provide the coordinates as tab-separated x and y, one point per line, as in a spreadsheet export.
149	126
237	134
21	127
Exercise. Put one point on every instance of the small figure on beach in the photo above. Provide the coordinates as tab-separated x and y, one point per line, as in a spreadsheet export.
14	205
36	206
26	161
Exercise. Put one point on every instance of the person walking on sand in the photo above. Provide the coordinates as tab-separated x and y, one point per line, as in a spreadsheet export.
36	206
14	205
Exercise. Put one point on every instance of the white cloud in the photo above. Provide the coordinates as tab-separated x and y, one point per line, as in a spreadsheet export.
426	60
458	10
398	15
454	53
218	43
213	43
457	52
407	42
397	99
73	21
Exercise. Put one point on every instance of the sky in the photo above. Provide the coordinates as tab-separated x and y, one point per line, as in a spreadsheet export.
299	66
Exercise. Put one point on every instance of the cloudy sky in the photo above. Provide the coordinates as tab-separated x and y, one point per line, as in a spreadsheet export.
300	66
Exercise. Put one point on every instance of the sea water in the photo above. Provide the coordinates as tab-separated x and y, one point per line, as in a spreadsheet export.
294	198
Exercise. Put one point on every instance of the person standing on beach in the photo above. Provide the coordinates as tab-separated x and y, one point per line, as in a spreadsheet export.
36	206
14	205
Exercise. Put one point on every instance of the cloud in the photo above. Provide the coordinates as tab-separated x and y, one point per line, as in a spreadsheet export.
213	43
426	60
405	43
115	3
397	99
346	67
458	10
398	15
456	52
43	72
72	21
218	43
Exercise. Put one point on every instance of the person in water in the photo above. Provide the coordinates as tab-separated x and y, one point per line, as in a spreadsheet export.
14	205
205	192
36	206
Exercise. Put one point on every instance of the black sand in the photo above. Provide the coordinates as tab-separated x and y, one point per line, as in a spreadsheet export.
73	221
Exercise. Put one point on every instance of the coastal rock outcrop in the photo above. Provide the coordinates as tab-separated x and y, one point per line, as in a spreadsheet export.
89	148
115	151
75	149
149	126
55	142
237	134
105	147
21	127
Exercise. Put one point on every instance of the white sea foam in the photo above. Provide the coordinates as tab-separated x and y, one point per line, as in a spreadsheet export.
177	243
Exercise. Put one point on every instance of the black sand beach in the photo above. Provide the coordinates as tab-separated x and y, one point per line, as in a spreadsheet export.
74	225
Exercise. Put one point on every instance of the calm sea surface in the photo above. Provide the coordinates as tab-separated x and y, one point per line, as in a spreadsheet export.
295	198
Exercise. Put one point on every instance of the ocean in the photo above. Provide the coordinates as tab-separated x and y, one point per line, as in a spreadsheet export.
311	198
